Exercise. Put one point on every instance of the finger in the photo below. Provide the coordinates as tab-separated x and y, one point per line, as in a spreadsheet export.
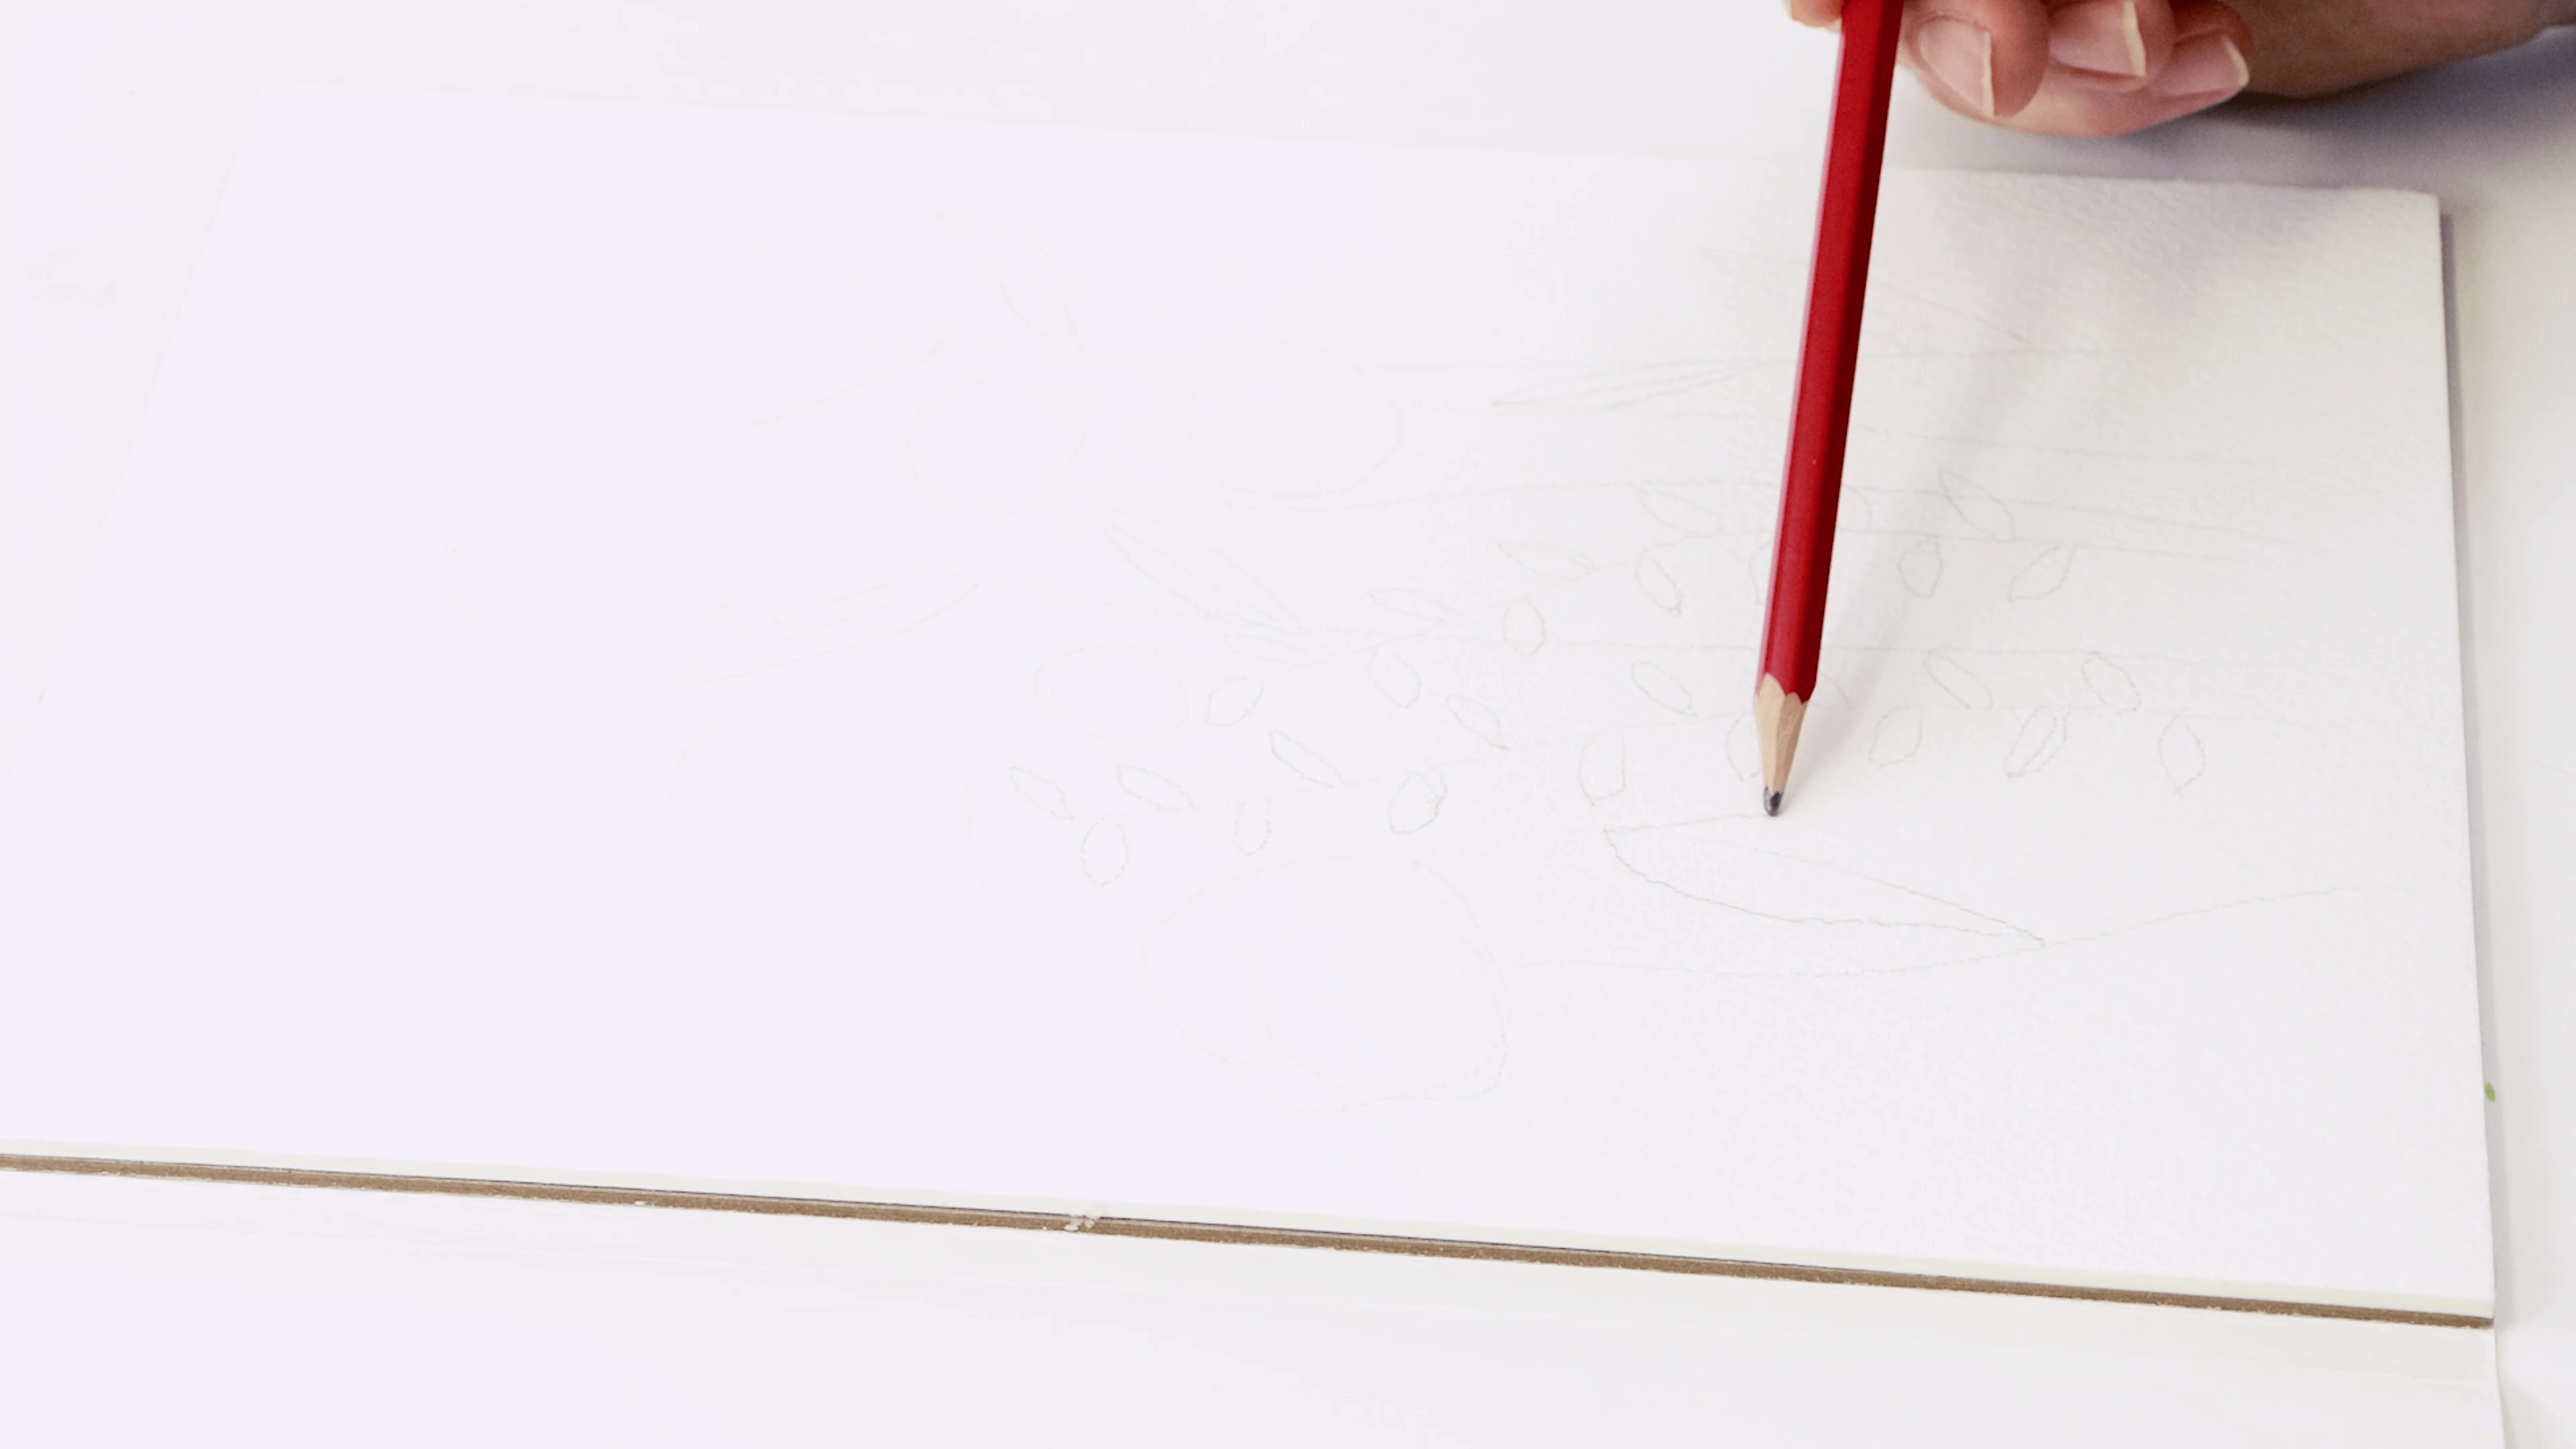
2110	44
1981	58
1819	13
2203	64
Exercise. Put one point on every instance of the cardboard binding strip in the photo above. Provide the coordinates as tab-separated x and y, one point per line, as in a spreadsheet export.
1192	1232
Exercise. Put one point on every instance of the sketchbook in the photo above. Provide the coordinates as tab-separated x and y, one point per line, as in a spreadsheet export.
1205	679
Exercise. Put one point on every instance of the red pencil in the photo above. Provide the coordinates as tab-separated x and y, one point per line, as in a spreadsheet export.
1811	485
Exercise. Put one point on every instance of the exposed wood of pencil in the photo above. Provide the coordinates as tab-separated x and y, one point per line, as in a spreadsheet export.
1811	484
1776	716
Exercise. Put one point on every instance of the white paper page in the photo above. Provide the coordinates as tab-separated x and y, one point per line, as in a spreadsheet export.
1206	678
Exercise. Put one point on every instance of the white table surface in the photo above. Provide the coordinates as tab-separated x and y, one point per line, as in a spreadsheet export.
134	1312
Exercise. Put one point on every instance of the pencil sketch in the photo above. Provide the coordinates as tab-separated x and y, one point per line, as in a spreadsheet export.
1309	766
1919	568
1476	719
2045	575
1602	769
1104	852
1024	273
1233	701
1394	678
1041	792
1417	802
2110	683
1958	681
1193	572
1657	683
1681	514
1480	574
1743	752
1898	734
1156	790
1661	588
1702	861
2042	735
1251	829
1980	510
2178	748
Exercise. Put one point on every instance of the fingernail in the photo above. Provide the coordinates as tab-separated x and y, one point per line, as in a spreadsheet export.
1963	57
2209	65
2099	35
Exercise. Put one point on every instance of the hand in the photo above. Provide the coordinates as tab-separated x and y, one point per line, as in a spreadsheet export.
2109	67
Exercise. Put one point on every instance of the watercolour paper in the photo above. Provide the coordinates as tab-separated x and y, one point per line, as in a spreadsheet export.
1207	678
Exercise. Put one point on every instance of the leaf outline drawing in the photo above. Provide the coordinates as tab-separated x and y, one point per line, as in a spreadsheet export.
2180	751
2042	735
1680	514
1473	717
1602	770
1308	765
2044	575
1416	802
1025	274
1190	570
1958	681
2110	683
1659	684
1394	678
1980	510
1660	587
1898	734
1159	791
1104	852
1231	702
1041	792
1251	827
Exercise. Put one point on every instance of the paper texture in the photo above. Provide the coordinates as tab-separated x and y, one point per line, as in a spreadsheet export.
1208	677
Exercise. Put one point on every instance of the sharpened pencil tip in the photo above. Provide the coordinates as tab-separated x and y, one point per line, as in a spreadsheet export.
1771	801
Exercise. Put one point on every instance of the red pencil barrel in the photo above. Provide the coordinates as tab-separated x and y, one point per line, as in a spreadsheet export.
1811	485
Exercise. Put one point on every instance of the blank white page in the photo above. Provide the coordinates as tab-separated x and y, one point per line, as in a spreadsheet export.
1206	678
